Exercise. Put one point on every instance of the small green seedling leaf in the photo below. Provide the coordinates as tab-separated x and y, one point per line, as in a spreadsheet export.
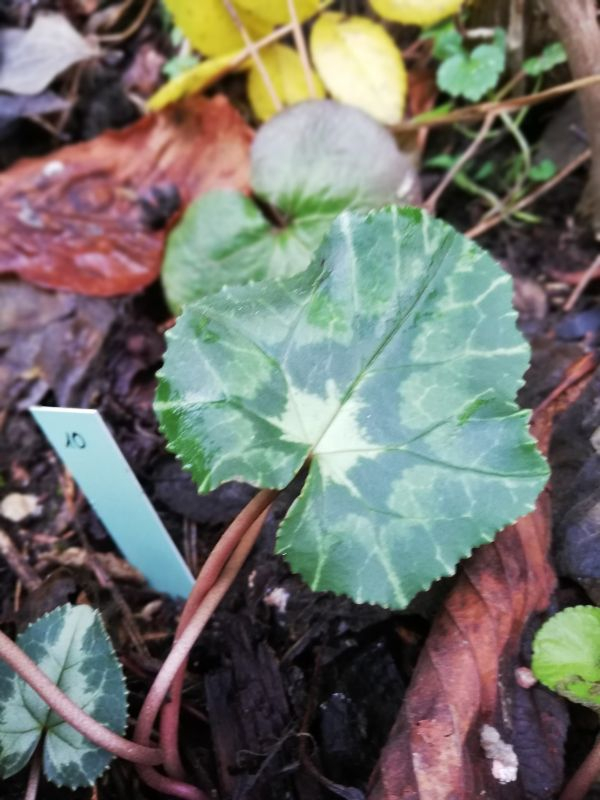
446	38
543	171
472	75
551	56
71	646
566	655
308	163
390	366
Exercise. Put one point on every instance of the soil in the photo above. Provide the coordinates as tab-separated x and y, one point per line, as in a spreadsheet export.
290	694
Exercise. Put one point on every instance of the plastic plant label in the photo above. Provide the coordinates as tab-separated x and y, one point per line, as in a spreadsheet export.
86	446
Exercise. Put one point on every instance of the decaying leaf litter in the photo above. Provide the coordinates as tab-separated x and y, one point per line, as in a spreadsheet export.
288	693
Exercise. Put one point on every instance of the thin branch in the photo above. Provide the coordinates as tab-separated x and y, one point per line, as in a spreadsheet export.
491	222
588	276
254	54
114	38
300	43
433	199
62	705
480	110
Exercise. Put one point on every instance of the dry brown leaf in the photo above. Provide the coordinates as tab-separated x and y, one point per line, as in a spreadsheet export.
465	676
85	218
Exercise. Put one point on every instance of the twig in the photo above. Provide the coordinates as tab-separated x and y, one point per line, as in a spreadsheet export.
491	222
35	771
26	574
432	201
300	43
114	38
254	54
482	109
587	276
62	705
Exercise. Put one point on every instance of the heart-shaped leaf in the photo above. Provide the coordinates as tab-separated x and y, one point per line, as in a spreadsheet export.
308	163
391	367
472	75
71	646
566	655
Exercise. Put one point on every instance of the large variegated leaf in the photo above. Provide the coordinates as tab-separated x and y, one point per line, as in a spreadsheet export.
308	164
71	646
391	367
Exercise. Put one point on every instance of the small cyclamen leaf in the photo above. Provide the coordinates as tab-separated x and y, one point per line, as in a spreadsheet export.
71	646
391	364
311	162
566	655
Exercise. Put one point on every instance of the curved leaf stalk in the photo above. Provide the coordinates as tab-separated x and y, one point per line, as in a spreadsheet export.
35	771
580	784
62	705
182	646
169	722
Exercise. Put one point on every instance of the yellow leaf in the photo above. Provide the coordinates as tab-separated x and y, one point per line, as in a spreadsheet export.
287	76
210	29
360	65
417	12
194	80
277	11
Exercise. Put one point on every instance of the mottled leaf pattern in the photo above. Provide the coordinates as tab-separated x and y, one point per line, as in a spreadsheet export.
391	364
71	646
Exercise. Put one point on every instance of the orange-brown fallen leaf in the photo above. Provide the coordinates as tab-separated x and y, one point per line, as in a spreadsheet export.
465	678
90	217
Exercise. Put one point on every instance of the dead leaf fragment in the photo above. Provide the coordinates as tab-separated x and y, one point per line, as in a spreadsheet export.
16	507
33	57
89	218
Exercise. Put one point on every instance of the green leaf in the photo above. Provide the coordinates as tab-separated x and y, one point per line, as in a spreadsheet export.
473	75
566	655
309	163
391	365
551	56
447	40
71	646
543	171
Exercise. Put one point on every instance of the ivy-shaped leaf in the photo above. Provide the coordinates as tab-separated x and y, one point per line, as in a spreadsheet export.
551	56
307	164
566	655
472	75
71	646
391	367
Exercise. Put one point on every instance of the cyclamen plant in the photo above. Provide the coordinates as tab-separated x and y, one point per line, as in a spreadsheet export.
388	371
